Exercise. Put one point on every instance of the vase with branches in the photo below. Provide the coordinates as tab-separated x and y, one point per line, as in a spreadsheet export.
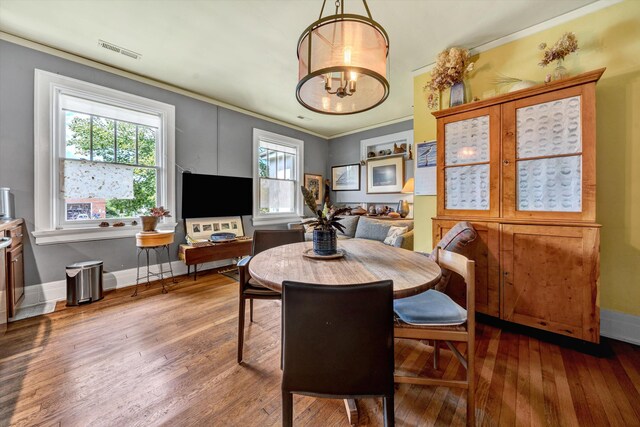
452	65
325	223
566	45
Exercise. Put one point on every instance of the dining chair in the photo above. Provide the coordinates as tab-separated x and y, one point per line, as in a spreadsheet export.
251	289
337	342
432	315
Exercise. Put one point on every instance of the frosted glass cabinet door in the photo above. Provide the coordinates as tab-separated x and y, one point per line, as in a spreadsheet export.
467	155
549	134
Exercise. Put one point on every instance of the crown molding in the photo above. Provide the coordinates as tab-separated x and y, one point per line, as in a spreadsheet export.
379	125
142	79
554	22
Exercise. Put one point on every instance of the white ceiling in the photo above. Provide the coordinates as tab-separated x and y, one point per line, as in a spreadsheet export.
243	52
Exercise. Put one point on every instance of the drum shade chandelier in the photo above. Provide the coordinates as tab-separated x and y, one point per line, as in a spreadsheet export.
342	63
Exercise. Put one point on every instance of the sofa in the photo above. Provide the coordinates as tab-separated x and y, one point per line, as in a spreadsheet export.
362	227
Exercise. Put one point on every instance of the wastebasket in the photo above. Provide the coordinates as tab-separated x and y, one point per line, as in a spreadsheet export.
84	282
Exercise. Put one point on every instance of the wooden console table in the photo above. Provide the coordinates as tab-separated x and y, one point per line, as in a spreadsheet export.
194	255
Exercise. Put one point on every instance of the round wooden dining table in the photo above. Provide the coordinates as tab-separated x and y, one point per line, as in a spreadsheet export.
364	261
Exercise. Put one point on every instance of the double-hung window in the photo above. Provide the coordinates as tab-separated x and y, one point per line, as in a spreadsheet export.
277	176
101	156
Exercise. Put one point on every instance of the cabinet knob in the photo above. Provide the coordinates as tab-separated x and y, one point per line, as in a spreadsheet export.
509	134
506	162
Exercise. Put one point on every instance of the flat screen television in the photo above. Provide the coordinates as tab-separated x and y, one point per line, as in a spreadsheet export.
206	196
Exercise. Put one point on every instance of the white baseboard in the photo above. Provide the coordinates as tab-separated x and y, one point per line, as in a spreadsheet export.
57	291
620	326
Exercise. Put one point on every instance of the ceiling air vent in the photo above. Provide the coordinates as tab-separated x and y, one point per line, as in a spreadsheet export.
117	49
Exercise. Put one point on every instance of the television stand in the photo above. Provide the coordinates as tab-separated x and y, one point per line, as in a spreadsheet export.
194	255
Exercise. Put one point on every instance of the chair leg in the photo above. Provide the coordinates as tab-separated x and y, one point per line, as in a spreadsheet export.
389	413
251	310
287	409
241	314
471	391
436	354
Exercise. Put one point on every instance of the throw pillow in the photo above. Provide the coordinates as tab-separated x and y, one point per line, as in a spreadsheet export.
393	234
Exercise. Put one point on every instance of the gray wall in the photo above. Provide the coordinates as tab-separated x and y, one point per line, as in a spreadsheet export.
346	150
209	140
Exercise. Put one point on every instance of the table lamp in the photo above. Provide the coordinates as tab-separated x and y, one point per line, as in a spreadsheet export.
403	205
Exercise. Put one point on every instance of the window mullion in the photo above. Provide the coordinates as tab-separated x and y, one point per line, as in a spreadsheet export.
91	138
137	159
115	141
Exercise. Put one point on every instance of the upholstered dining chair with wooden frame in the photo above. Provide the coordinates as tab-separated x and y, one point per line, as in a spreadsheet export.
337	342
432	315
251	289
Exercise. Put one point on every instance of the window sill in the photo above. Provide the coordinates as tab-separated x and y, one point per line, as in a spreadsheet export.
257	222
70	235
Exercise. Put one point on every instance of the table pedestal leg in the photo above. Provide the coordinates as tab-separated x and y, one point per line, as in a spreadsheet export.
352	411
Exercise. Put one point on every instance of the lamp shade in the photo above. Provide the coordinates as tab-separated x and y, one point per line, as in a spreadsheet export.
409	186
342	65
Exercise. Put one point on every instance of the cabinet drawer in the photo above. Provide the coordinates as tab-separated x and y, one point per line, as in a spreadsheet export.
16	235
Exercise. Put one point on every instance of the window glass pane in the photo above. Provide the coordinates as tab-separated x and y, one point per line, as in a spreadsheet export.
147	140
144	198
272	164
77	135
277	196
280	165
288	168
126	142
103	139
263	167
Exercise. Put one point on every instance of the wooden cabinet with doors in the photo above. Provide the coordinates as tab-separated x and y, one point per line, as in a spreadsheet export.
14	260
521	168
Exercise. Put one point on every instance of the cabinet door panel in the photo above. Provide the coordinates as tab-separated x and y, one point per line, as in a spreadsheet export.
548	151
485	252
550	278
15	269
468	163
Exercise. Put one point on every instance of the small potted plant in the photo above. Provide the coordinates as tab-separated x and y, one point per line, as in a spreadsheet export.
150	221
325	224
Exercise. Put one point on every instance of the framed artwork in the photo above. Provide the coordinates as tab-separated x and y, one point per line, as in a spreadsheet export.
201	229
314	184
385	175
345	177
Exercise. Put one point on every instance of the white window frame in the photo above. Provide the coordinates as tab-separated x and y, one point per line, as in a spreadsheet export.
260	218
48	137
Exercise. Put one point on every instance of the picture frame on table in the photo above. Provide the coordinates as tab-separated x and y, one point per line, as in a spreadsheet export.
314	183
345	177
385	175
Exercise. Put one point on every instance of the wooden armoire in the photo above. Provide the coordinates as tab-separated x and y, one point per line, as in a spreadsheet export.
521	167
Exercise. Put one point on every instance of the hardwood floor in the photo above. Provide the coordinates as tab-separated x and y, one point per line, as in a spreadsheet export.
169	359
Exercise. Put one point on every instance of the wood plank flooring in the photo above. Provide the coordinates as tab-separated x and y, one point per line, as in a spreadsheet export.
169	359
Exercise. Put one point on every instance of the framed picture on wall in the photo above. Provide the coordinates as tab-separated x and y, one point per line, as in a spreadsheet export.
385	175
314	184
345	177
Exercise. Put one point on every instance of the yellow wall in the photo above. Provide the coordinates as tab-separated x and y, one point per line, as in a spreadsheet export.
607	38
